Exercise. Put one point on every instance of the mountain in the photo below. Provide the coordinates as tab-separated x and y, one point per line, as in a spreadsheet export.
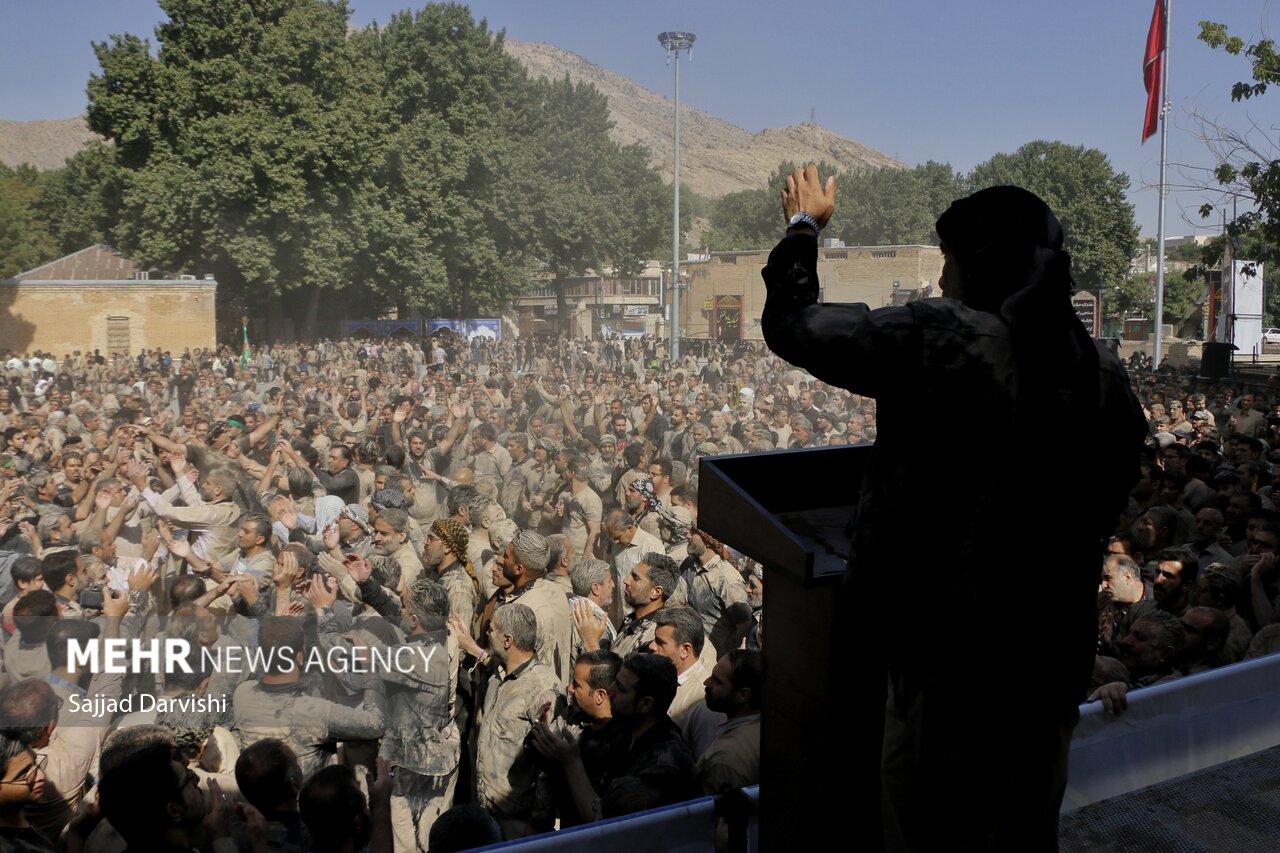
716	157
45	144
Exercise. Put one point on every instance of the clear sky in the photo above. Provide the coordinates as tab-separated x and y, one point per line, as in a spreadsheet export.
949	80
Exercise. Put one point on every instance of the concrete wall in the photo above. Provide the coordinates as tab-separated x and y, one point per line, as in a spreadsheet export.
62	317
854	274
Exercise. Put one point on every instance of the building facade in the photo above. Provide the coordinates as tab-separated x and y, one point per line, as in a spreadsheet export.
98	299
725	293
594	305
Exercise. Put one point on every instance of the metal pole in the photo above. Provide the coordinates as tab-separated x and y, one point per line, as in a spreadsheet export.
1164	143
675	235
674	42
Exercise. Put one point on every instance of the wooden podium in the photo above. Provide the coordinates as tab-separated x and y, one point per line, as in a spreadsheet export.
823	711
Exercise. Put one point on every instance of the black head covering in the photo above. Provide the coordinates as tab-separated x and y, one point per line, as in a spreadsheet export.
1009	247
997	235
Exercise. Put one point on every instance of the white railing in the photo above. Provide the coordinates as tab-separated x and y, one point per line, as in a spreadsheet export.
1173	729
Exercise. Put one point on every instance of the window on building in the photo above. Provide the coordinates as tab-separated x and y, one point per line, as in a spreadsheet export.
885	254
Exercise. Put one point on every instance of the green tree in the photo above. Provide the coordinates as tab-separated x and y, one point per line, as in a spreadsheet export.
747	219
892	206
1132	296
1087	195
752	219
441	221
1135	295
591	203
82	200
242	143
25	241
1248	167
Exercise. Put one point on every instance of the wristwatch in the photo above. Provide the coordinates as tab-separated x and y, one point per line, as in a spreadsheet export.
803	218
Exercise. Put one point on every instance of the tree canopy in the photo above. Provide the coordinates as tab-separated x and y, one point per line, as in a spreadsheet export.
896	206
1086	194
752	219
413	164
25	239
1247	173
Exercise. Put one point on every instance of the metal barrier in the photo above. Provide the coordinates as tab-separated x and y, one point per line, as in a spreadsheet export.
685	828
1173	729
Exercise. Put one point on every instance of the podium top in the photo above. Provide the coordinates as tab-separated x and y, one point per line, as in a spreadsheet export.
788	509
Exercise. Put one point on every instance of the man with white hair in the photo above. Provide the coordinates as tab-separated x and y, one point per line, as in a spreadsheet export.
593	587
507	768
524	563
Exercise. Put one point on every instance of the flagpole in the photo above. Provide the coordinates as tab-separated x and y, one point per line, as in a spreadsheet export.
1164	143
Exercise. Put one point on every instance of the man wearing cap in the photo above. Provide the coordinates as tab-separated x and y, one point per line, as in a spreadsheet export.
601	467
952	773
445	553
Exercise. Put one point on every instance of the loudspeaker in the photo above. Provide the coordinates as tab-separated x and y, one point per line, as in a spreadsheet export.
1215	360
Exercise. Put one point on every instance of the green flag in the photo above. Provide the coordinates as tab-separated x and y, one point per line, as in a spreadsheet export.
244	356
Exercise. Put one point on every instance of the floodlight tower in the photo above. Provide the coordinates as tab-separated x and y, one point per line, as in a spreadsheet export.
674	43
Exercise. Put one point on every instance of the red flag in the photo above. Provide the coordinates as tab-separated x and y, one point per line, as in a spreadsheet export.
1153	71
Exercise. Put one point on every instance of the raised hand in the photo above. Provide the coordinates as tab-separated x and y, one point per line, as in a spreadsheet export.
590	627
358	567
322	591
286	511
806	192
141	579
380	786
285	570
559	746
463	634
115	604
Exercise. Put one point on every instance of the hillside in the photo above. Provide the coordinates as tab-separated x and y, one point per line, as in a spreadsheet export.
45	144
716	157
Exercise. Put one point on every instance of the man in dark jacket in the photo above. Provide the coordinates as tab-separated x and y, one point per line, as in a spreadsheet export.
958	769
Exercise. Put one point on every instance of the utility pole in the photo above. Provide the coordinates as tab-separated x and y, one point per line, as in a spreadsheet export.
675	42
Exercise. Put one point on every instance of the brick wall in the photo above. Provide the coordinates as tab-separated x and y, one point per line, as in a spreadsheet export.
61	318
855	274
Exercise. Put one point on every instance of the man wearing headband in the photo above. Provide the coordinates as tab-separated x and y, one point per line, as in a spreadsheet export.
1005	338
445	553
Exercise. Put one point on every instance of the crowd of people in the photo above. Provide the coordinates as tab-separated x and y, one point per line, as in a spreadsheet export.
515	523
511	527
1190	579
